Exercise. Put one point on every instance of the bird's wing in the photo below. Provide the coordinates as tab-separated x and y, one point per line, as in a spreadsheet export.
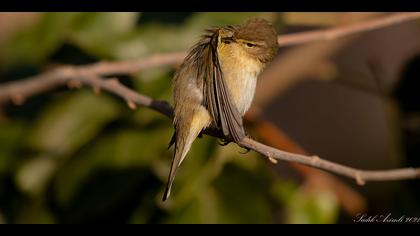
217	98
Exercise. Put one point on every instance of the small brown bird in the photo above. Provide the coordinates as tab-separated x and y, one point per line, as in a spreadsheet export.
215	84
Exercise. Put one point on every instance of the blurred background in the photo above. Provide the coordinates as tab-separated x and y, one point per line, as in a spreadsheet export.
70	156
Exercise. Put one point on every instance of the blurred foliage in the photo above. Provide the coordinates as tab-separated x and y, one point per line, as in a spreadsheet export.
303	206
313	18
75	157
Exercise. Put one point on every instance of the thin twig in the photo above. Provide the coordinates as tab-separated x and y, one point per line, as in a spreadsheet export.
341	31
83	76
361	176
33	86
54	78
315	179
91	75
133	66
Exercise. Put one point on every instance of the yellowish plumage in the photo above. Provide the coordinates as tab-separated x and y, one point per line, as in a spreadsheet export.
240	71
242	53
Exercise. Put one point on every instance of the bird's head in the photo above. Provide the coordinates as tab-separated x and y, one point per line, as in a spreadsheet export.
256	38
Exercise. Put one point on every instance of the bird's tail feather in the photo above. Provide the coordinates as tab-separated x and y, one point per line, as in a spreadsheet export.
181	149
183	138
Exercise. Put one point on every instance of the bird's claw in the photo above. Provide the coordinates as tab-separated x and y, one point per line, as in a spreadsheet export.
249	136
246	150
223	142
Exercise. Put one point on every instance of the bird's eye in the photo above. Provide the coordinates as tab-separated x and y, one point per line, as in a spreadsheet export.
227	40
250	45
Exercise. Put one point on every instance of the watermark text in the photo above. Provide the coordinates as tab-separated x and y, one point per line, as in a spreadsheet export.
386	218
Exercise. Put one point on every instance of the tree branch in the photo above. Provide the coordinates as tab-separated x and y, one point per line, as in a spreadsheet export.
75	77
361	176
18	91
91	75
351	201
341	31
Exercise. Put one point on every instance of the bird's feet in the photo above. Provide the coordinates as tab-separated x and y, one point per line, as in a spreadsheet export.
224	142
245	148
249	136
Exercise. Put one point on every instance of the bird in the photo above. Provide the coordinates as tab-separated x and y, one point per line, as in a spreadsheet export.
215	84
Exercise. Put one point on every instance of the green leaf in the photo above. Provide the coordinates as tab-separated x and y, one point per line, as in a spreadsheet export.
100	33
154	37
243	196
188	215
139	147
71	121
156	82
202	210
109	195
283	190
303	206
10	141
146	210
123	148
76	171
34	45
319	207
195	174
34	174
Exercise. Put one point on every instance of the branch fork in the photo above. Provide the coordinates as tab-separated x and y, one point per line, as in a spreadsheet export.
91	75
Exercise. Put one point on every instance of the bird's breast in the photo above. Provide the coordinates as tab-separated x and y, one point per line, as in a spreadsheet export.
241	75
